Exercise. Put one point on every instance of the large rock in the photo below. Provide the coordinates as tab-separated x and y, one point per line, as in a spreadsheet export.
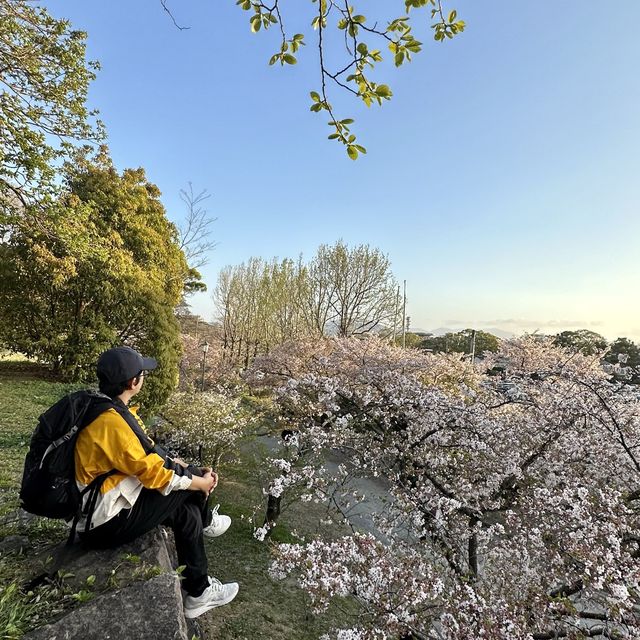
129	561
111	568
131	600
147	610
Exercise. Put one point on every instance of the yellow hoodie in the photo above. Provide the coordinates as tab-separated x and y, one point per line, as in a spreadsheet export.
109	443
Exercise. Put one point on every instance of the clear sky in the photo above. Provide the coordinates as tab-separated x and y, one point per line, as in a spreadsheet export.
502	180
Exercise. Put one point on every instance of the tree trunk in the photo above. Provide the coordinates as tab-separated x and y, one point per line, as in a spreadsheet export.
473	550
273	512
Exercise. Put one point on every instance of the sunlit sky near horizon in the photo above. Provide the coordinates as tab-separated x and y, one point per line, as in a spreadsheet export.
502	179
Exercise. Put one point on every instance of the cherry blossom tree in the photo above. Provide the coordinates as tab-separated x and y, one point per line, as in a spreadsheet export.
205	425
217	370
513	490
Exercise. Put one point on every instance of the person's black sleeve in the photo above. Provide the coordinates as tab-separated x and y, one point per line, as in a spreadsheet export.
176	467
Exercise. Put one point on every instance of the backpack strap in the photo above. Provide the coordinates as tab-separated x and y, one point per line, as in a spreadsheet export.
93	489
93	405
147	443
100	403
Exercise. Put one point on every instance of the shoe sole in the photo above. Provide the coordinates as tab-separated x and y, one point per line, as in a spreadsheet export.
208	534
197	612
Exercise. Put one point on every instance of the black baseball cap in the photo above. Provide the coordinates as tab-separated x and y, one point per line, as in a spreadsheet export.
121	364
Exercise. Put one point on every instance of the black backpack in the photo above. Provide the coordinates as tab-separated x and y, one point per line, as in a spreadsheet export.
48	482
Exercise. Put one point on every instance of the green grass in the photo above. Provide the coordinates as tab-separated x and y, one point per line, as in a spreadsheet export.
7	356
14	611
263	609
15	365
23	398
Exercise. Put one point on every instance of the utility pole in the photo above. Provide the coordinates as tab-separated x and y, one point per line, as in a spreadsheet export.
395	315
404	315
473	346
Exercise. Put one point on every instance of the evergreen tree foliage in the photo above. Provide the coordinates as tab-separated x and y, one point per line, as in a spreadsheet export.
103	268
625	352
583	340
460	342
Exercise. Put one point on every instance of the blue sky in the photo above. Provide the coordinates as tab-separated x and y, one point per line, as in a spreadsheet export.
501	179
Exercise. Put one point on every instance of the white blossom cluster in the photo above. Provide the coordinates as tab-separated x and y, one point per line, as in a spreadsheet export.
204	424
514	490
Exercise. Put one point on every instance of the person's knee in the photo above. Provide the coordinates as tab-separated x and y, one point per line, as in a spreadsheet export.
190	521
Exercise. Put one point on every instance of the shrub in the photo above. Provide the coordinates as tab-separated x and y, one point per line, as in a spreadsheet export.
203	425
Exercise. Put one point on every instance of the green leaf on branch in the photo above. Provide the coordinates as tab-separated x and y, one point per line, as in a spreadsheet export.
353	74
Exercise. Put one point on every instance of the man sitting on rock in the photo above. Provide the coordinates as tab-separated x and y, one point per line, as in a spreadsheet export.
145	487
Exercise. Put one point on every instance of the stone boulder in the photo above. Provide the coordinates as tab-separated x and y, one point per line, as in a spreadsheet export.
136	592
146	610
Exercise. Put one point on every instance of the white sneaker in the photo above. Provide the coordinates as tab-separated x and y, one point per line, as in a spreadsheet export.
219	524
215	595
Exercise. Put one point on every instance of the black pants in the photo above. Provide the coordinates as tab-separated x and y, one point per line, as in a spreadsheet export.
186	512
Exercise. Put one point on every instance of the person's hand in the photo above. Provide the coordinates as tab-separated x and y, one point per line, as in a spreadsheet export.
204	483
211	479
181	462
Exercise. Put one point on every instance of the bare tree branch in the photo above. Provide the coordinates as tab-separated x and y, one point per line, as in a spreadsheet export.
164	6
195	233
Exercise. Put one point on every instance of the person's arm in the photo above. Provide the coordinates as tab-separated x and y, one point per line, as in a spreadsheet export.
184	468
125	453
178	466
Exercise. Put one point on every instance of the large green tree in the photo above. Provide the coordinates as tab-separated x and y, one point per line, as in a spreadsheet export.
44	78
588	342
104	267
626	353
461	342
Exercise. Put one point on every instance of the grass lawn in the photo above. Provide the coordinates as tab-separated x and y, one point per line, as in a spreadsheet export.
23	397
262	609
